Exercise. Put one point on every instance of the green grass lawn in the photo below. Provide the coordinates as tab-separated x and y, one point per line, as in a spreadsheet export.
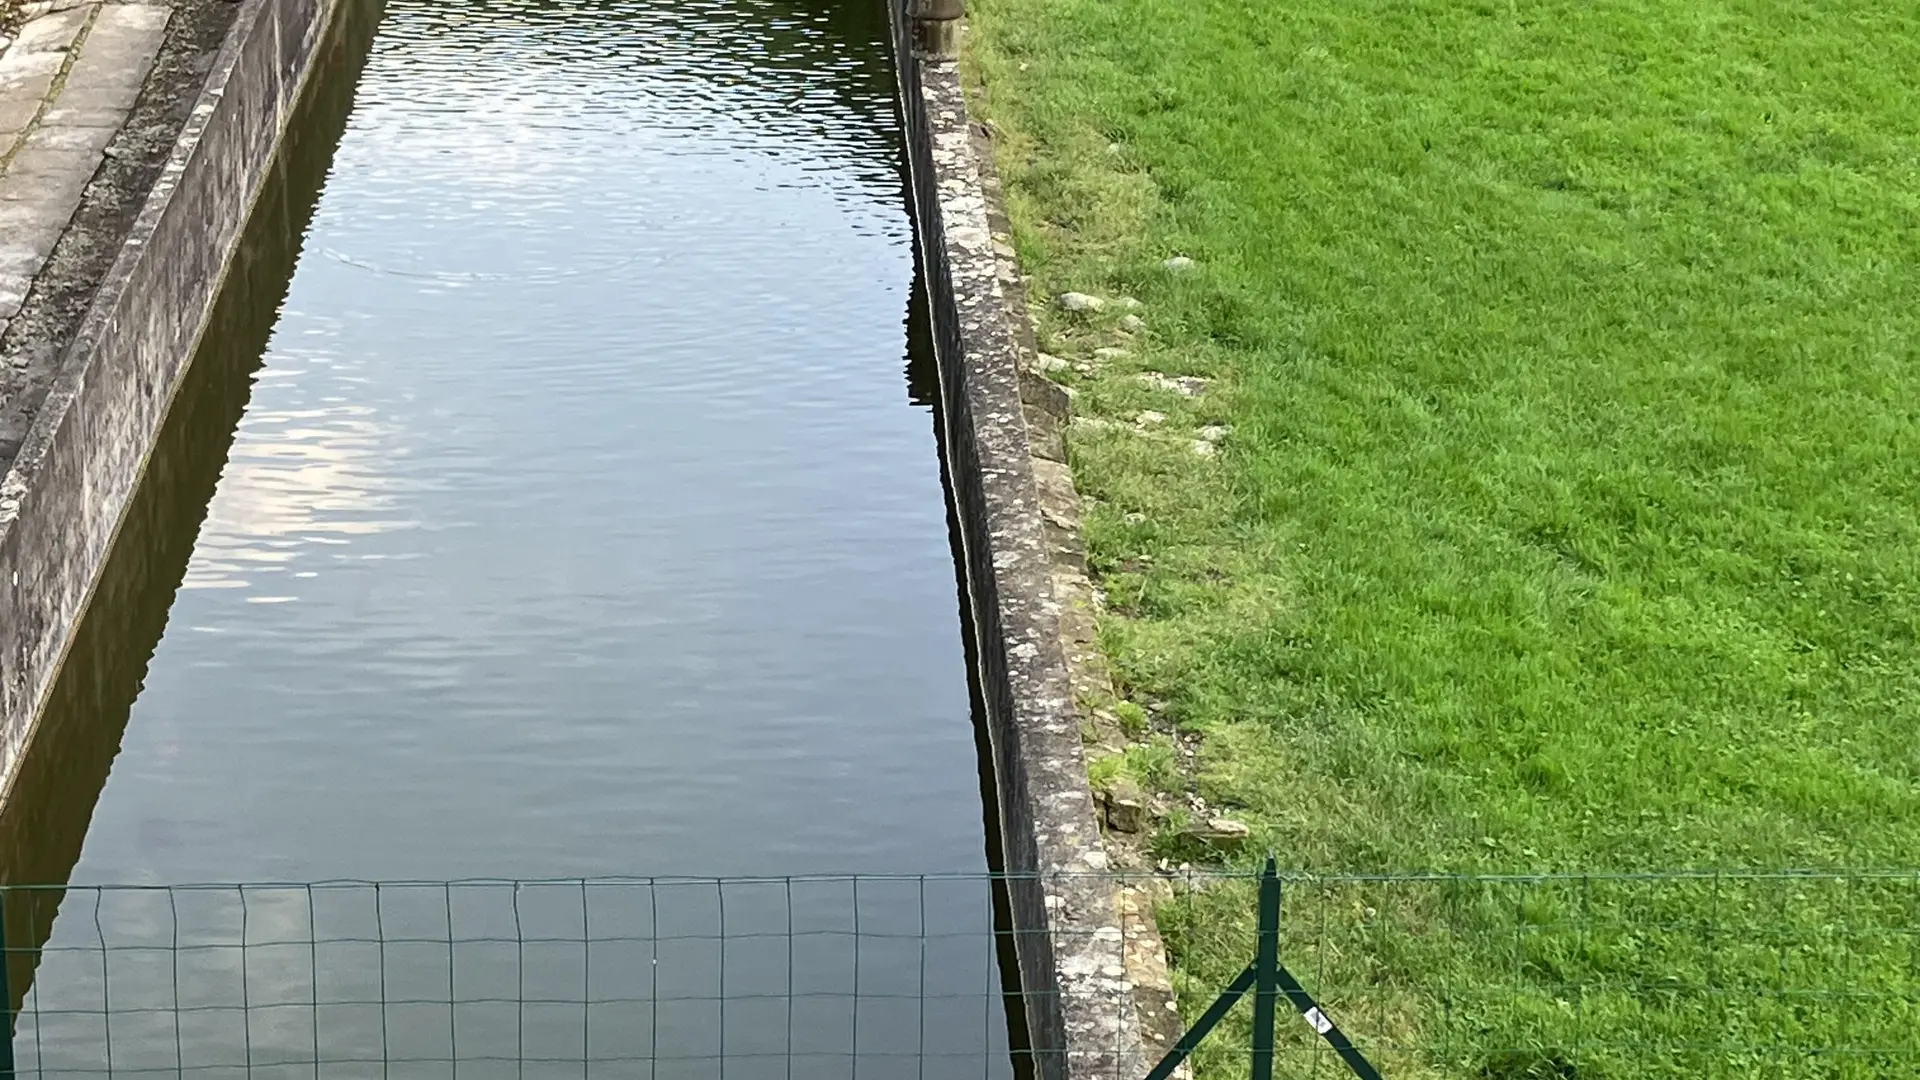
1568	516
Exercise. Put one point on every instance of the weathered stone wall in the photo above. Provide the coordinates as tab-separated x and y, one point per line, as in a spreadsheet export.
63	498
1080	1011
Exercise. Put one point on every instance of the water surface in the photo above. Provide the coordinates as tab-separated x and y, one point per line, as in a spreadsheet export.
578	521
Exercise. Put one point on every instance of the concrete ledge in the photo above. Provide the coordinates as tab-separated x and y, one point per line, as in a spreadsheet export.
63	498
1080	1014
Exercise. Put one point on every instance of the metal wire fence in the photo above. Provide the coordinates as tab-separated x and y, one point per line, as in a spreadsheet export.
1495	978
748	979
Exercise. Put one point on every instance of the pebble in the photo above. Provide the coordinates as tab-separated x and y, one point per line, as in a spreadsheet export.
1213	433
1132	324
1050	363
1178	264
1079	301
1149	417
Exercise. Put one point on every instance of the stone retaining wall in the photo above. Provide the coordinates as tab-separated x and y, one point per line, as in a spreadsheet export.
1080	1013
63	498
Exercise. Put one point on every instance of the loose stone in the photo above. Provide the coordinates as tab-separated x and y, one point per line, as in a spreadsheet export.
1079	301
1184	385
1224	834
1178	264
1126	807
1132	324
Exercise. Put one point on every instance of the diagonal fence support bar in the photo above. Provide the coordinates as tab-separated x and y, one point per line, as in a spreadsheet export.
1310	1012
1214	1014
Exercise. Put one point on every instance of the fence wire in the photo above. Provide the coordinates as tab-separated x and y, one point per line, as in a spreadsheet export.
754	980
888	978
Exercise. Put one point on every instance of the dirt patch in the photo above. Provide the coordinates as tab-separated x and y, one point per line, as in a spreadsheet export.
38	336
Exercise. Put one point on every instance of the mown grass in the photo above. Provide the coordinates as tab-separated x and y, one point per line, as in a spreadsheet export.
1568	515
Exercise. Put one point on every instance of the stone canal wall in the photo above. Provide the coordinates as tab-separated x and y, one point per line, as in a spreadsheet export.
86	441
1080	1009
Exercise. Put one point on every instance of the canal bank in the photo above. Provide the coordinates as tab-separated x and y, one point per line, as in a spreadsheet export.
1092	968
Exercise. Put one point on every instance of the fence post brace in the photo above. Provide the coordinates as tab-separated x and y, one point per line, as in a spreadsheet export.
1269	979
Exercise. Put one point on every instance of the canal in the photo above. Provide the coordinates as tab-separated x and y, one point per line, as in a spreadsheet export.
555	497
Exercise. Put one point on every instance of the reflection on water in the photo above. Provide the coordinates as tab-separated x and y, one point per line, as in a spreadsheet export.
578	523
43	823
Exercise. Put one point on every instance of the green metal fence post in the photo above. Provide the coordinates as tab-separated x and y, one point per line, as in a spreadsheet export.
1266	966
6	997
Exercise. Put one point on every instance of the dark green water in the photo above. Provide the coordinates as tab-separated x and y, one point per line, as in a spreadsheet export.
553	498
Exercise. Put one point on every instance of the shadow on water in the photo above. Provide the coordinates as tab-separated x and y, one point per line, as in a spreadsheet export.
45	817
923	389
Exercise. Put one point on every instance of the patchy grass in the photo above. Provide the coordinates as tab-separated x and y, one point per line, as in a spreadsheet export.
1568	515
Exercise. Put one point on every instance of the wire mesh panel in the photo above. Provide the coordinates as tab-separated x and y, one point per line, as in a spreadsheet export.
787	979
890	978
